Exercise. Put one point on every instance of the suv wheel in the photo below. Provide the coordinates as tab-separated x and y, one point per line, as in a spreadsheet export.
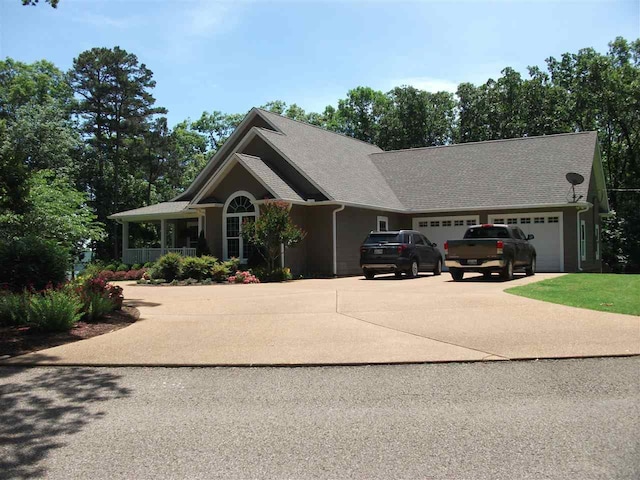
438	269
413	270
456	274
531	269
507	272
368	274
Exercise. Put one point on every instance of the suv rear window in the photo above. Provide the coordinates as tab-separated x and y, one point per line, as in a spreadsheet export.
487	232
384	238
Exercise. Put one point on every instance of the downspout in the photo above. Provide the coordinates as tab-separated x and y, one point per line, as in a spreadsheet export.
581	211
335	241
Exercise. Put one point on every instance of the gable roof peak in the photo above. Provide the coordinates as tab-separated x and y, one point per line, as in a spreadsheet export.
307	124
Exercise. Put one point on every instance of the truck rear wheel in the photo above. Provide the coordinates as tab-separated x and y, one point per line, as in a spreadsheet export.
456	274
531	268
507	271
368	274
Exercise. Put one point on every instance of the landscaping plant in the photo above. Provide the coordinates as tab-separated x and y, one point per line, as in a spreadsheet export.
168	266
55	310
272	229
32	263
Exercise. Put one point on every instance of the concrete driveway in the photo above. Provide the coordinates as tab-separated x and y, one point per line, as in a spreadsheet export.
347	321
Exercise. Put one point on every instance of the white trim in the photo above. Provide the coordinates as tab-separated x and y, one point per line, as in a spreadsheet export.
558	214
206	205
379	219
335	240
153	216
239	193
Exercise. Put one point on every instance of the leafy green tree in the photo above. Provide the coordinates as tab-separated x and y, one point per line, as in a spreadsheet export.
216	127
115	107
415	118
53	3
56	211
272	229
359	115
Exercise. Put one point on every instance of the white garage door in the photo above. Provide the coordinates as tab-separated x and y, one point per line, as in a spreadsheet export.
547	229
441	229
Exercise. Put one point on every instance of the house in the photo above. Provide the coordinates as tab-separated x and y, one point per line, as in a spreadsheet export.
340	188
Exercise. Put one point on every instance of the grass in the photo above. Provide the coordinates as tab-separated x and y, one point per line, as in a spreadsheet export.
604	292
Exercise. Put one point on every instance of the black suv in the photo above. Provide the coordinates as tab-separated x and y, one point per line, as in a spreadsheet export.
404	251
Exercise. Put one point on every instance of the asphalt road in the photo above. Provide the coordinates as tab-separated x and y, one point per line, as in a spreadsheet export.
511	420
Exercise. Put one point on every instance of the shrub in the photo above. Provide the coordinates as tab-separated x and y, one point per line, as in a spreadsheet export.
134	274
149	264
220	272
277	275
243	277
202	249
136	266
55	310
112	267
106	274
99	298
14	308
196	267
232	265
32	262
122	268
168	267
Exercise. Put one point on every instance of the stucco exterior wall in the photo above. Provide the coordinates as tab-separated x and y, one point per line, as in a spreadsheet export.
353	225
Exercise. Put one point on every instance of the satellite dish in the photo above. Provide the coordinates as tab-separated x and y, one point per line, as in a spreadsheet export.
574	178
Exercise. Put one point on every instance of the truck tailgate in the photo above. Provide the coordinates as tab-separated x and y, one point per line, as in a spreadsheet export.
477	248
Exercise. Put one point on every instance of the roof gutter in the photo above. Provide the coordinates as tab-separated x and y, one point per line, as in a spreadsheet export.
335	240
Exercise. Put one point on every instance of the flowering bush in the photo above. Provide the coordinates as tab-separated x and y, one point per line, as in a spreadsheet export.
99	298
243	277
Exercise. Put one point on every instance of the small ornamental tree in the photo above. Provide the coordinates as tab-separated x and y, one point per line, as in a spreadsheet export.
271	229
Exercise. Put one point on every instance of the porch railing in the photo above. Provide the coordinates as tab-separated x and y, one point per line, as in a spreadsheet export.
144	255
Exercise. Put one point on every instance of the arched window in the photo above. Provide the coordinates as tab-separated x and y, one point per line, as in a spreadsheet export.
238	209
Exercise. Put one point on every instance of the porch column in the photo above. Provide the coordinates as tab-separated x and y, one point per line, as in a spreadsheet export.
125	240
163	236
200	224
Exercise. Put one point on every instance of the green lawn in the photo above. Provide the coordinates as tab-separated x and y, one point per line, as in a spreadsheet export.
608	293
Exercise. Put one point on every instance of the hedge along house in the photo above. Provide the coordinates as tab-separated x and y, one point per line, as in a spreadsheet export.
340	189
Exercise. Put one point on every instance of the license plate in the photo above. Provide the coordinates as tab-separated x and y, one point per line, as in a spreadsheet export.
377	251
472	262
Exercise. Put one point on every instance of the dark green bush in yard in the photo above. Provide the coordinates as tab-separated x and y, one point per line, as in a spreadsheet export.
14	308
168	266
198	267
32	263
55	310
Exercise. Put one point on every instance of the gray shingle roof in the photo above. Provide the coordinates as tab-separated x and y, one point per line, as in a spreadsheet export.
157	209
523	171
270	178
340	166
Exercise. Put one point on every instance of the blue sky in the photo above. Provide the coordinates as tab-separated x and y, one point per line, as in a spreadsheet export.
233	55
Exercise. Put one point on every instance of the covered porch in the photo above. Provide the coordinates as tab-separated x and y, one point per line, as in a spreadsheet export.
179	229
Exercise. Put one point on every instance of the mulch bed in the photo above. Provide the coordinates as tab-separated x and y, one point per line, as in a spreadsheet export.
19	340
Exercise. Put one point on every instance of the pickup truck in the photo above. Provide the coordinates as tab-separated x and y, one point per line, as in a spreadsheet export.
490	248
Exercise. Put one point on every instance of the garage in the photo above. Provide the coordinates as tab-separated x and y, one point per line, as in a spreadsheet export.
546	227
441	229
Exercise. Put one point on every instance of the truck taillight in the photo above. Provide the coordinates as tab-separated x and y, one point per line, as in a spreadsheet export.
446	248
499	246
402	248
